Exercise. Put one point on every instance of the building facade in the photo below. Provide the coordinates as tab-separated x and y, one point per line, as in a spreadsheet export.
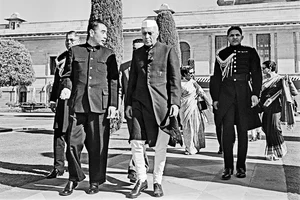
272	28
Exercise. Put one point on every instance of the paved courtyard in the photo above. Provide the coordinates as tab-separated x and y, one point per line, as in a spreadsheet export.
26	157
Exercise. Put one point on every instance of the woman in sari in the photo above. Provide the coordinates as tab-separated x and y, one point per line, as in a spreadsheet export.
192	120
277	105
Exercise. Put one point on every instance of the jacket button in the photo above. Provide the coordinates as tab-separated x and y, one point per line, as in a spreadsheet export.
90	77
89	87
234	79
92	58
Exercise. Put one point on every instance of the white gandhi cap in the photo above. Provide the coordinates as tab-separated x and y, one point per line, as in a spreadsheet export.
149	23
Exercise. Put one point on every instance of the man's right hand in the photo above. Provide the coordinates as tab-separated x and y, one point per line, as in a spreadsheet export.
65	94
215	105
128	112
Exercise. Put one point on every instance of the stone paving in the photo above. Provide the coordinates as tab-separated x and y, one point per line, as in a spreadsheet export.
190	177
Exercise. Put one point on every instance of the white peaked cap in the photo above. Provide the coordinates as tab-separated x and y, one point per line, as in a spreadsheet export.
149	23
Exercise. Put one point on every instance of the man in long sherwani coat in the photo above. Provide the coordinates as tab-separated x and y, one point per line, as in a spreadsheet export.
236	87
153	96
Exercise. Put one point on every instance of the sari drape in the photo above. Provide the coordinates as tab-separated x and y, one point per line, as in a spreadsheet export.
192	119
280	110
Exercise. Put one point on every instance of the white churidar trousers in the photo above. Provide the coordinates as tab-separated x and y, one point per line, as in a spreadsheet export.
137	148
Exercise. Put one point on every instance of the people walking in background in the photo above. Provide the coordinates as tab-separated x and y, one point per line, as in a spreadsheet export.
255	134
61	109
277	103
153	96
232	97
93	72
192	119
124	76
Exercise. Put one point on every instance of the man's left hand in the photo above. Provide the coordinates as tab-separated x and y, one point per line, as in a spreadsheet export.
254	100
52	106
112	110
174	111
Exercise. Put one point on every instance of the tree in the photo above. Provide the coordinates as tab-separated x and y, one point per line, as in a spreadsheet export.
110	12
167	28
15	64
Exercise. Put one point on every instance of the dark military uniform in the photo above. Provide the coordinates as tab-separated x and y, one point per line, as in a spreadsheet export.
233	93
93	72
61	121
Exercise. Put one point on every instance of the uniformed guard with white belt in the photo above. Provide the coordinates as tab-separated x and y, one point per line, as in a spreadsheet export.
236	88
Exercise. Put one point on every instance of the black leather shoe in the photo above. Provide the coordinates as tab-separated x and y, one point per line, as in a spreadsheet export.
71	185
240	173
158	192
138	188
54	173
94	188
227	173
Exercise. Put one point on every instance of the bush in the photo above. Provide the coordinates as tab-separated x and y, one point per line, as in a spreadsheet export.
12	104
15	64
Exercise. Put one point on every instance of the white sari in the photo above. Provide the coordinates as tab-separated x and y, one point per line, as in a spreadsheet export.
192	119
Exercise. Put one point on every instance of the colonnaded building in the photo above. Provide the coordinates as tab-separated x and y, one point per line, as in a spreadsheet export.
272	27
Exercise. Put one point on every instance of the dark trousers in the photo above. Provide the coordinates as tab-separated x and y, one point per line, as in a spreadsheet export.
59	149
144	125
91	130
228	139
218	130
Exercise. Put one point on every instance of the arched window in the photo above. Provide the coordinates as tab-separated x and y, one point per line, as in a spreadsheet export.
22	94
185	53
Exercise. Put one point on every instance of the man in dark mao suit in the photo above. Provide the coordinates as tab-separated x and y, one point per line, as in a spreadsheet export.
153	96
93	71
233	97
61	119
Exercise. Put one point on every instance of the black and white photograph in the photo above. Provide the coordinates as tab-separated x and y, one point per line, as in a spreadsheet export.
137	99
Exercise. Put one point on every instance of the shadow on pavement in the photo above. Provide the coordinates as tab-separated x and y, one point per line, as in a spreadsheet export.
292	174
121	148
211	171
83	158
37	131
187	168
31	173
36	115
291	138
116	185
